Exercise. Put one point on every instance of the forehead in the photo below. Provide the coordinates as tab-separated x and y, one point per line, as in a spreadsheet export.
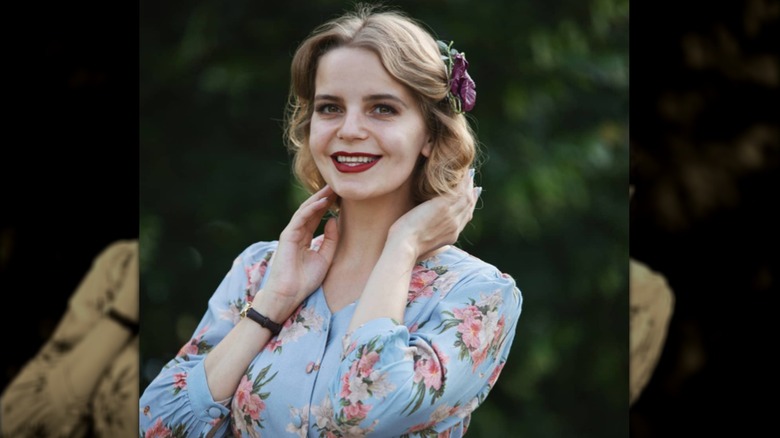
348	70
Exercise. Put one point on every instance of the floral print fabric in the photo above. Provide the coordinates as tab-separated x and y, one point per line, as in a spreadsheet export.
421	378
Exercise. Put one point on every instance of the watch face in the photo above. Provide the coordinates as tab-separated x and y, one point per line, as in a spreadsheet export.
245	309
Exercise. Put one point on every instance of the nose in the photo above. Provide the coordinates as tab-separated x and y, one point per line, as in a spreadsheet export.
352	127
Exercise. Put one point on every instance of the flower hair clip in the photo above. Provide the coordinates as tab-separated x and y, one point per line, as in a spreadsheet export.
463	93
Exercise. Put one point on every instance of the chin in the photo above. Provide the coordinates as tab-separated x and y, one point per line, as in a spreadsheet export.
352	195
347	190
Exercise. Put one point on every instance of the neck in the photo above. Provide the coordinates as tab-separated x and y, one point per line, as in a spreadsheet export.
363	228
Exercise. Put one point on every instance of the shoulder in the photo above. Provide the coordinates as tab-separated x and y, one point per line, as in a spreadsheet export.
475	269
262	251
115	255
476	280
256	252
118	248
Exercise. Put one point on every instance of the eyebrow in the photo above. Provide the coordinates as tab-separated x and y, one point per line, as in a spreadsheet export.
370	98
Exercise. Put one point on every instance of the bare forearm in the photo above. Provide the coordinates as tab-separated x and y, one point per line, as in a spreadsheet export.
387	288
87	361
230	358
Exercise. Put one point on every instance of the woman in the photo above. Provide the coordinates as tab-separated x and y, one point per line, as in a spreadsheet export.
378	326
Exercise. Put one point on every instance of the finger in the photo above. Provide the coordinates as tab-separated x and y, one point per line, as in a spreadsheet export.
467	184
456	200
317	198
330	240
468	178
317	211
477	192
308	216
465	194
321	193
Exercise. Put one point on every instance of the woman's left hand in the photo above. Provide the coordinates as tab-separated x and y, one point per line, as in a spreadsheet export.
436	222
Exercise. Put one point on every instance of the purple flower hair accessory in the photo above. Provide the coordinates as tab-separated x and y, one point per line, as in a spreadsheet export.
463	93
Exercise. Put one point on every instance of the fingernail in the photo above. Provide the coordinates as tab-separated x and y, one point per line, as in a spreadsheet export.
471	172
478	190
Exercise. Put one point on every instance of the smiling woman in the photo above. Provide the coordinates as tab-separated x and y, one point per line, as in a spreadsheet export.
365	119
380	323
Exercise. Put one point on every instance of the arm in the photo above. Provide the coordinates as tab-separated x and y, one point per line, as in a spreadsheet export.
191	393
179	399
394	382
53	390
424	229
285	290
86	363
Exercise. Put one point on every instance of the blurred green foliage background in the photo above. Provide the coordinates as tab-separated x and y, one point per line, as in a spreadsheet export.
551	115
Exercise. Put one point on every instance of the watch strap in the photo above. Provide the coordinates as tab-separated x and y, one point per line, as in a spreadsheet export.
263	320
122	320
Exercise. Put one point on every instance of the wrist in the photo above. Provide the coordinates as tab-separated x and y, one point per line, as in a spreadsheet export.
273	307
123	320
401	250
263	321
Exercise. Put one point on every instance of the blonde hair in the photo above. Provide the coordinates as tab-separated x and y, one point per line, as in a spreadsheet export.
411	56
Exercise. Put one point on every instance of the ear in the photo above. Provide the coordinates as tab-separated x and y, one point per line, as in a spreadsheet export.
427	147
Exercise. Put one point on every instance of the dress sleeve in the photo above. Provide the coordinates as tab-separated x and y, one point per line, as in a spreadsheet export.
426	379
178	401
96	291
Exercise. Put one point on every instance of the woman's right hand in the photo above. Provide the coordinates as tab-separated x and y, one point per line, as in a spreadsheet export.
297	269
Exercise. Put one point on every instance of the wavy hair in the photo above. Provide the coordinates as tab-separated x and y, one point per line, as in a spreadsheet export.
411	56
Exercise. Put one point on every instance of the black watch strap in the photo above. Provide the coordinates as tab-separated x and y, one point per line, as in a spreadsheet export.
255	316
122	320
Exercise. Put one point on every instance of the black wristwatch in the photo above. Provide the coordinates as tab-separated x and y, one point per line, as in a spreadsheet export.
254	315
122	320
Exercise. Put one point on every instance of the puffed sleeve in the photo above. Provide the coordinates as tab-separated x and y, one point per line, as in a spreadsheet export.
397	382
178	401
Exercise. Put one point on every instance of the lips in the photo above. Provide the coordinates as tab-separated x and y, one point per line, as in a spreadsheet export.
354	162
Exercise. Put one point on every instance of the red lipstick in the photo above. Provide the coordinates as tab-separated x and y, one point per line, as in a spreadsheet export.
354	162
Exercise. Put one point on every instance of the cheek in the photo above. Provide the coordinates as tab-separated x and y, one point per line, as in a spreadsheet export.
317	138
423	144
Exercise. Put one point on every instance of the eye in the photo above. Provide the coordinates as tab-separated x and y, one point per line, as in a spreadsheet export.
327	108
384	110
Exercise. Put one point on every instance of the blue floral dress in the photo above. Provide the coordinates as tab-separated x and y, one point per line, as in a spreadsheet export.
422	378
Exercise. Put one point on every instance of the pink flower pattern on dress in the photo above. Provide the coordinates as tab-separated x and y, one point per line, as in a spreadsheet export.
430	369
479	328
427	429
195	346
158	430
254	275
359	384
391	381
330	426
248	402
425	281
303	320
421	284
179	382
496	372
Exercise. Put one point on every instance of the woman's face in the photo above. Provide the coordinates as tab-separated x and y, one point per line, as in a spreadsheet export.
367	131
